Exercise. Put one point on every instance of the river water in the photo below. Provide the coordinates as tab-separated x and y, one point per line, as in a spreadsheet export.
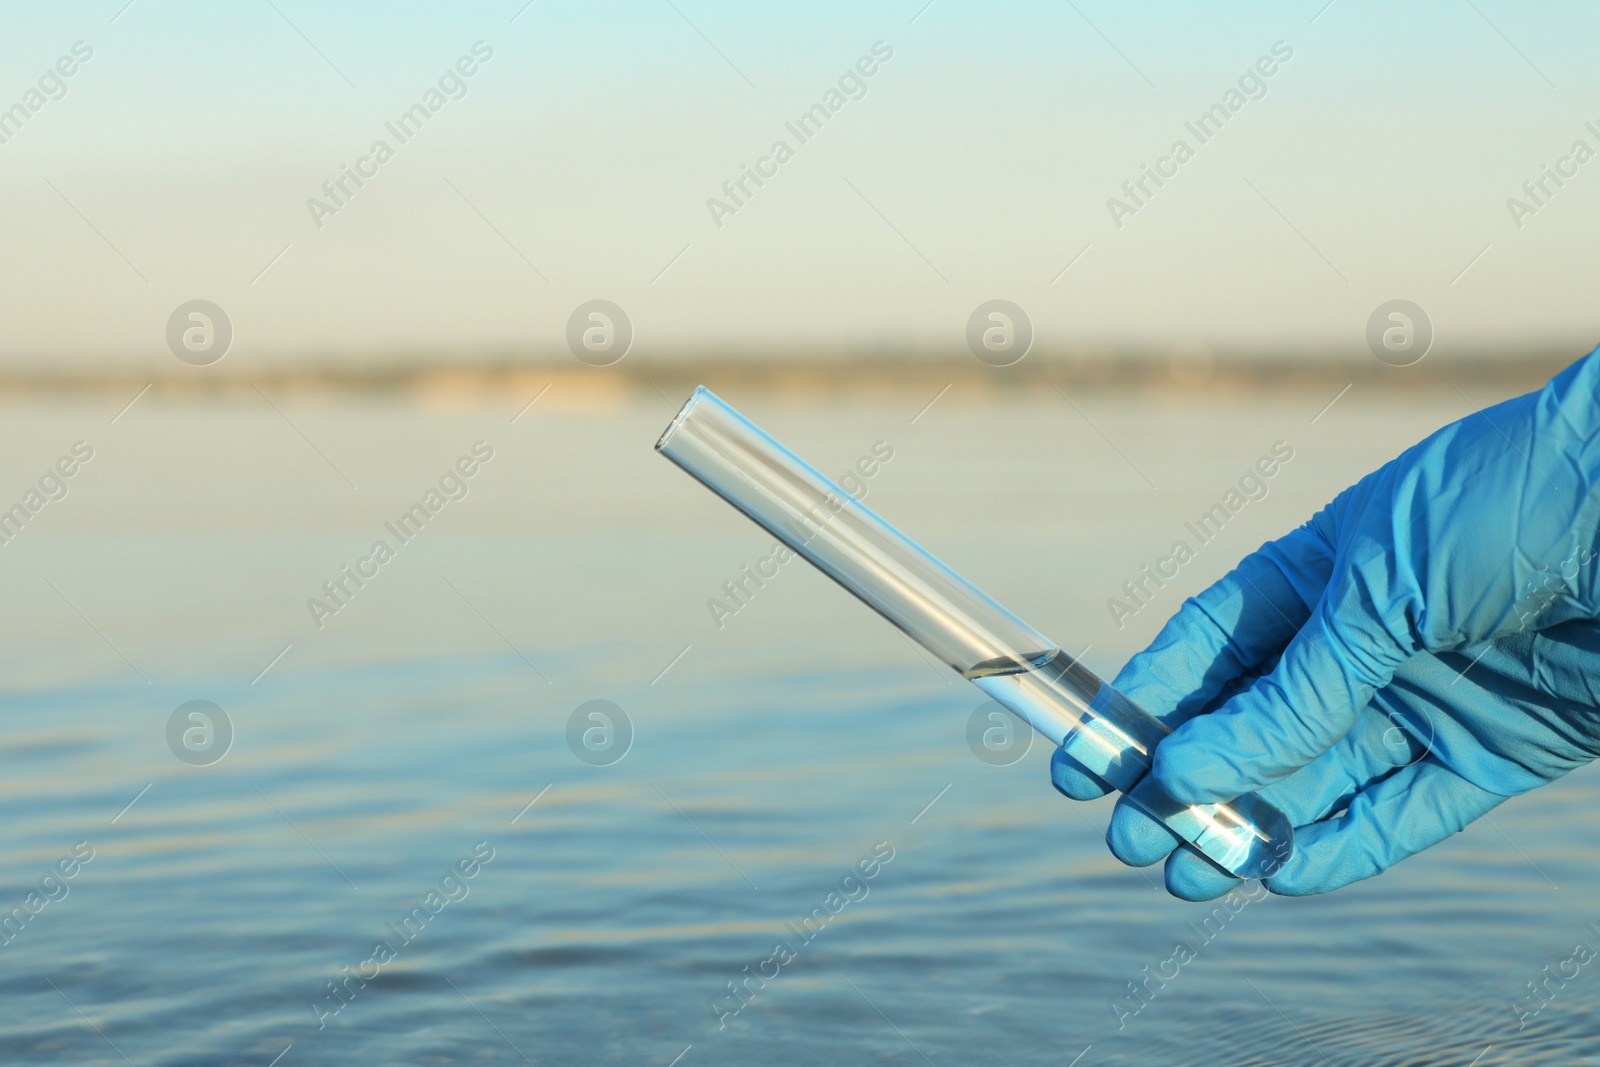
768	756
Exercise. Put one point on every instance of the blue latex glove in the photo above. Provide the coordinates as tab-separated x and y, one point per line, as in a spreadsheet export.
1425	647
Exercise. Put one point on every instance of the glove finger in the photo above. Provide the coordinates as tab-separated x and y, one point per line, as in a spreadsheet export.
1413	809
1074	780
1369	754
1190	876
1233	627
1137	838
1365	755
1326	676
1375	748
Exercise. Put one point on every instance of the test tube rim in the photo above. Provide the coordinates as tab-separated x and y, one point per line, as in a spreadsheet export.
683	414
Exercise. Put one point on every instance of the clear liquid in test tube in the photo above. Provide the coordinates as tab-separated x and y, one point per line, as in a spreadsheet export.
955	621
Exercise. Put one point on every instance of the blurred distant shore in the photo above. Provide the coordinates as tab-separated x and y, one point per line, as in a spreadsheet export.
821	374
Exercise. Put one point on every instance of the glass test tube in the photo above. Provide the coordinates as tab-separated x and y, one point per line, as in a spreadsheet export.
950	617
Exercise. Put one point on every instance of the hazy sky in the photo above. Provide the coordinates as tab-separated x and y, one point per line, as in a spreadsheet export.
1376	163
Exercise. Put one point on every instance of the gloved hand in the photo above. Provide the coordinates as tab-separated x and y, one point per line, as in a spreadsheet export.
1425	647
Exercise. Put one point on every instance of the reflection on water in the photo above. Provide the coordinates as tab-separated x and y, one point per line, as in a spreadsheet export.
310	889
